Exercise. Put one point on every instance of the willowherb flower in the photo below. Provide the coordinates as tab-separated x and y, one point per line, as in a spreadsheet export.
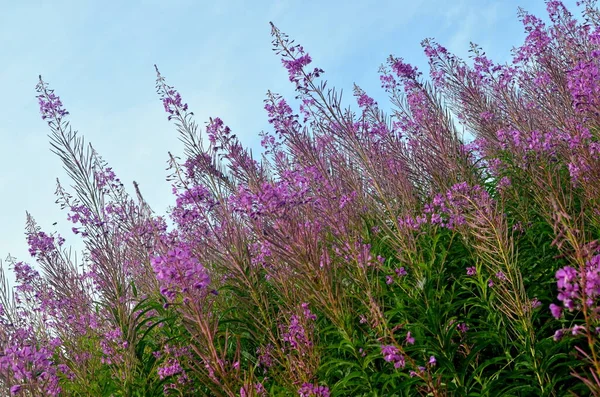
106	177
299	329
170	368
556	310
404	70
42	244
260	389
31	365
25	275
558	335
568	286
391	354
535	303
265	355
309	389
179	272
583	82
294	59
281	117
51	106
462	328
413	373
295	66
172	102
112	346
365	101
296	334
578	329
592	279
170	98
504	183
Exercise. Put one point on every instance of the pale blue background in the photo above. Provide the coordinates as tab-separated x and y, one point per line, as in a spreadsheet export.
98	56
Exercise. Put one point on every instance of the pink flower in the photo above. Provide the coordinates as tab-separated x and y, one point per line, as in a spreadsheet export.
556	310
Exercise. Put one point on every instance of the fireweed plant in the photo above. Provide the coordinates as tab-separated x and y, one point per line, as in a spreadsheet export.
363	254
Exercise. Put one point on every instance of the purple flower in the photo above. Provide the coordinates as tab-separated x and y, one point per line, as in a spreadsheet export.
308	315
535	303
471	271
410	339
556	310
391	354
462	328
265	357
15	389
592	279
568	285
365	101
432	361
295	66
179	272
404	70
50	105
170	368
577	329
558	335
40	244
298	331
260	388
309	389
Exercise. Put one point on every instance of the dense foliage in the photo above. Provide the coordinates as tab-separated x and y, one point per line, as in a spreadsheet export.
363	254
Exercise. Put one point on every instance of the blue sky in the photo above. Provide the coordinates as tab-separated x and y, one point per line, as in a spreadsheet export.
99	56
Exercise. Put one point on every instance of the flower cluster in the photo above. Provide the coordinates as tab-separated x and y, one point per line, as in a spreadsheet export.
296	334
51	106
41	244
172	102
309	389
30	365
179	272
574	285
170	368
391	354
